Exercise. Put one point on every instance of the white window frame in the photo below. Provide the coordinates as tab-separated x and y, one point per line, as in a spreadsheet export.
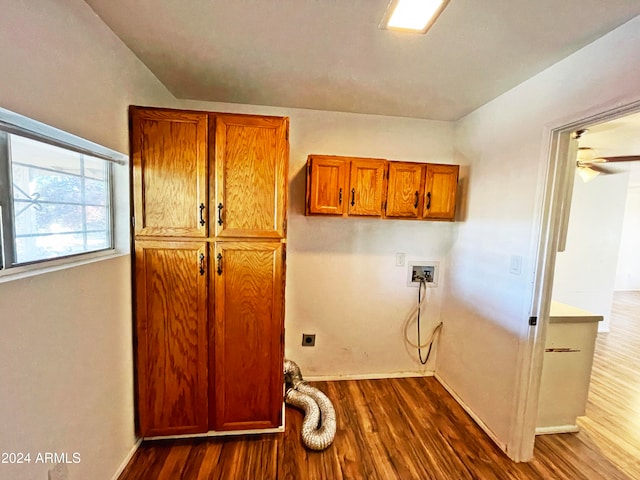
15	123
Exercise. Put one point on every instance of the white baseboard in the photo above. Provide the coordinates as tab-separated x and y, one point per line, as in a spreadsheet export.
126	460
472	414
213	433
366	376
557	429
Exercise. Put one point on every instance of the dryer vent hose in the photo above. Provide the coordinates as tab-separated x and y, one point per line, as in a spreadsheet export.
319	424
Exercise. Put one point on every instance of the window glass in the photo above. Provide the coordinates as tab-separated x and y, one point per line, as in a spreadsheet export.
60	201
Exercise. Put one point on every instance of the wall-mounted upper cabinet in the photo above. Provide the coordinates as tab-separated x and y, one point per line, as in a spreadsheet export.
346	186
327	181
404	194
440	192
366	186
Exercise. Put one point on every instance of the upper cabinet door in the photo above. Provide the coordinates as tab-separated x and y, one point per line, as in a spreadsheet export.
251	161
169	168
440	192
326	184
366	187
404	191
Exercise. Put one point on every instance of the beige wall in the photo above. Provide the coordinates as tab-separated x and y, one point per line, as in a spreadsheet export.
505	149
65	341
342	280
585	272
65	351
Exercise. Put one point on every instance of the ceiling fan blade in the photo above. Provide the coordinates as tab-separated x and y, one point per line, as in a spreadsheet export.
599	168
624	158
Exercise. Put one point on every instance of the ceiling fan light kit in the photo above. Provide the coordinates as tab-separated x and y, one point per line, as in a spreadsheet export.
587	174
590	166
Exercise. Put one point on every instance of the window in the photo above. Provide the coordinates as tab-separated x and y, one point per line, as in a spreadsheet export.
55	196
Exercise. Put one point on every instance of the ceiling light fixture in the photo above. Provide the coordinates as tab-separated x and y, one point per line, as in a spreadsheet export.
584	162
415	16
587	174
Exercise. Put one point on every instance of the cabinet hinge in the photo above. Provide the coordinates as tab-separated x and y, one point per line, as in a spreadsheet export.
533	321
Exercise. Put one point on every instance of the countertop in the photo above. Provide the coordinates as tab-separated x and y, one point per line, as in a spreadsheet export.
563	313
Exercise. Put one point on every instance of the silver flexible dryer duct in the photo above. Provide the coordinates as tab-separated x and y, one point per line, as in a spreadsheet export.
319	424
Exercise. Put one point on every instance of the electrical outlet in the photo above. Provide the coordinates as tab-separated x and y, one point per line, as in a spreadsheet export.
427	271
308	339
59	472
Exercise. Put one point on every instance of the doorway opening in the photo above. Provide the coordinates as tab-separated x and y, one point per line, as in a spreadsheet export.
588	228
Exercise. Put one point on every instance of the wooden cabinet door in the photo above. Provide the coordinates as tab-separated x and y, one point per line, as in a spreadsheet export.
440	192
169	167
171	334
326	184
248	333
404	189
366	187
251	162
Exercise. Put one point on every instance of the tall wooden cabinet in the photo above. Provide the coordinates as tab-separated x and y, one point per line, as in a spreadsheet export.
209	212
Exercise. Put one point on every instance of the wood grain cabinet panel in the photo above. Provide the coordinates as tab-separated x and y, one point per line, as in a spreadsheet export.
345	186
171	322
405	185
251	159
327	179
249	293
209	351
440	192
366	187
169	160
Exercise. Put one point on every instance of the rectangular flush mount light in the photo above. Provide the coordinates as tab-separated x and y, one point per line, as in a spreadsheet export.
412	15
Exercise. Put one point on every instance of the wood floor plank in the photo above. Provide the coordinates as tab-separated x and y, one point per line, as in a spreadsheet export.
411	428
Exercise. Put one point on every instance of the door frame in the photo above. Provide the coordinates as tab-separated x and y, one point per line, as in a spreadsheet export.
551	224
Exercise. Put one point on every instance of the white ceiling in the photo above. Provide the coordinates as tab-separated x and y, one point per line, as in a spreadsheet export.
620	136
331	55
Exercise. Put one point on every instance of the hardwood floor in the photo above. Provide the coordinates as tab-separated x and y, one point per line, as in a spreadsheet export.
412	429
612	422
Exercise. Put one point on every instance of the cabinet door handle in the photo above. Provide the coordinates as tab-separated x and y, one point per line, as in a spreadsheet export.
353	197
428	200
220	207
202	222
415	205
219	257
202	264
340	197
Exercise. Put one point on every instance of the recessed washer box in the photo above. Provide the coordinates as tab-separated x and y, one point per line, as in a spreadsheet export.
427	270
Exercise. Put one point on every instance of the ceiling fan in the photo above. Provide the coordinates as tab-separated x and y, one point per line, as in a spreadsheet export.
590	166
